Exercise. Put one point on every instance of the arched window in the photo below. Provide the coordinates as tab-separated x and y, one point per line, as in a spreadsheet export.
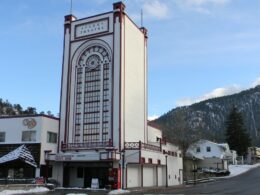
93	95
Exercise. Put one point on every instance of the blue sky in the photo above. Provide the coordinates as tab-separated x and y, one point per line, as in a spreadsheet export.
198	49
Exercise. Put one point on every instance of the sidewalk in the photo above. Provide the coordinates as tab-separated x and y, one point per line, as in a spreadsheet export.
155	189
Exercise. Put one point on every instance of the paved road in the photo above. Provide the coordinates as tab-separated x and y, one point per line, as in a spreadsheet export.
244	184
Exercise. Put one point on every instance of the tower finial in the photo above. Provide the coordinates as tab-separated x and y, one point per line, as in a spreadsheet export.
71	1
141	17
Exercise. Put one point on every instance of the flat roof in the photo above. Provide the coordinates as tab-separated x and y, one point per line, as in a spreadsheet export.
30	115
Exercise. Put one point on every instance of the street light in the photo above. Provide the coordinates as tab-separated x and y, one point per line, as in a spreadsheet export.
166	156
194	173
123	168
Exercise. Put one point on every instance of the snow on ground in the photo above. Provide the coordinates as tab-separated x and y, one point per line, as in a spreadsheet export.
75	194
78	188
34	190
239	169
119	191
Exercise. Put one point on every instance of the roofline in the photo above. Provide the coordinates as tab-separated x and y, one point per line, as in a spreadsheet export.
89	17
154	127
107	13
30	115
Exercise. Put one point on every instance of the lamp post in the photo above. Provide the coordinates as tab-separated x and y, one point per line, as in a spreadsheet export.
166	156
123	169
194	173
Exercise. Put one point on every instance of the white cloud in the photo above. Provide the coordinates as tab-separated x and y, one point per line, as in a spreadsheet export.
256	82
156	9
153	117
200	6
218	92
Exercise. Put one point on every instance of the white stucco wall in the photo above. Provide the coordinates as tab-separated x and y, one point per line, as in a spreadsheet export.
72	50
175	167
153	134
13	128
134	89
48	125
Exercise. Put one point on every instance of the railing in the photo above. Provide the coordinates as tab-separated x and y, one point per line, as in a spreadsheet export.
86	145
132	145
151	147
140	145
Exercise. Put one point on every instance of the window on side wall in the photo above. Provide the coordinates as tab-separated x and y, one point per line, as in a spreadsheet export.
2	136
51	137
208	149
198	149
28	136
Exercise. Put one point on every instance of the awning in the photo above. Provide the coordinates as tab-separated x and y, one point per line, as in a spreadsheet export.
21	153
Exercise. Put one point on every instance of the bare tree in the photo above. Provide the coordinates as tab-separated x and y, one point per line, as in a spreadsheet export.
182	132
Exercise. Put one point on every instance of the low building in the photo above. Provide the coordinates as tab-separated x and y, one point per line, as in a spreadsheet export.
253	155
209	157
155	163
24	141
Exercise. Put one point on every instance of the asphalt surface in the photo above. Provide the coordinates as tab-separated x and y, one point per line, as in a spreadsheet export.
247	183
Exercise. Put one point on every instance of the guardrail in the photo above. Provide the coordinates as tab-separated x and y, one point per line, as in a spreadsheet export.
140	145
86	145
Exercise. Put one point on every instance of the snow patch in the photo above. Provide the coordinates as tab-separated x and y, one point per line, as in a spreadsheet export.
239	169
22	153
119	191
34	190
76	194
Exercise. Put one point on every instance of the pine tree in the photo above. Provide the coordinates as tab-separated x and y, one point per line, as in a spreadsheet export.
236	133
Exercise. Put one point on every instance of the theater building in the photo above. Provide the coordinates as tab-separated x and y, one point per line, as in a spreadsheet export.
103	110
24	142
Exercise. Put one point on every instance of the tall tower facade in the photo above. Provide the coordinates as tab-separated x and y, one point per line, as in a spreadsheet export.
103	95
103	134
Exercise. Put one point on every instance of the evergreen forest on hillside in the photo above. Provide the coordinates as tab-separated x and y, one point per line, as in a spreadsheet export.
207	118
8	109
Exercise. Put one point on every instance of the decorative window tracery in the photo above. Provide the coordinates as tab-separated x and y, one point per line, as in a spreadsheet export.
93	108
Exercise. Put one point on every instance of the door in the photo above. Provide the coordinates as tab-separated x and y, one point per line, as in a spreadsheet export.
101	173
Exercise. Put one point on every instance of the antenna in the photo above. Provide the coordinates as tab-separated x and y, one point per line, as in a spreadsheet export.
141	17
71	6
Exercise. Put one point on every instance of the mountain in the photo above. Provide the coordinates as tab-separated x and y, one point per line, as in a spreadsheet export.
210	115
